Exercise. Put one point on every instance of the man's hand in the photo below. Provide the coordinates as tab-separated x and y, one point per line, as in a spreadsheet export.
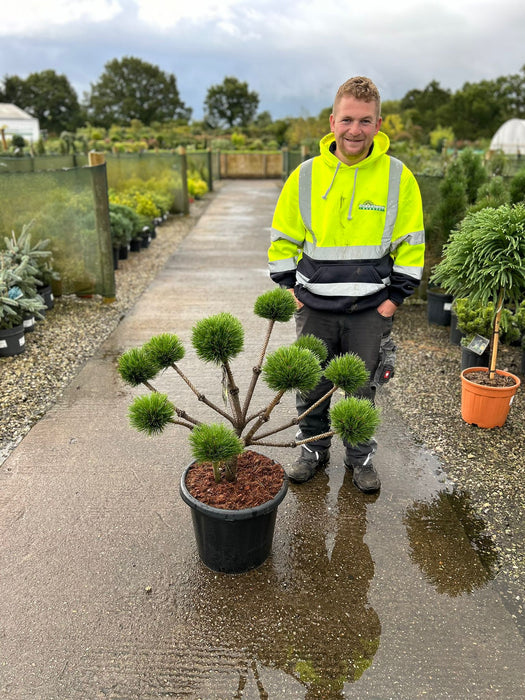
387	308
298	303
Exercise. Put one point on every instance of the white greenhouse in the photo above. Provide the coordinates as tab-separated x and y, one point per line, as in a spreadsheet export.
510	138
15	121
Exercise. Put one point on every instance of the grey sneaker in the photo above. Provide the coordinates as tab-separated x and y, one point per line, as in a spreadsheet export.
365	477
307	464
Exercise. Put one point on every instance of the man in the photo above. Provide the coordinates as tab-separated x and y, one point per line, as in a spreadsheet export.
348	242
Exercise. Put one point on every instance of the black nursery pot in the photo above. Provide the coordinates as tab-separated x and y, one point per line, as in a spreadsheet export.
12	341
439	307
455	333
46	292
233	541
123	252
472	359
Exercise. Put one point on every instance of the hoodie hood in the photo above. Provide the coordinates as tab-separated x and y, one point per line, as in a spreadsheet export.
381	146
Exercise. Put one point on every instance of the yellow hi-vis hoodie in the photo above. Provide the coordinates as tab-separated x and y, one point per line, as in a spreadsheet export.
347	237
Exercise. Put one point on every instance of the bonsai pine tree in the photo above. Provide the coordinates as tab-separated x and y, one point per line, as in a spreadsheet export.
218	340
484	260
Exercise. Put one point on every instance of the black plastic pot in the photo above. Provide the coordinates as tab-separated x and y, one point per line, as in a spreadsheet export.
455	333
123	252
135	245
438	307
29	324
12	341
233	541
46	293
472	359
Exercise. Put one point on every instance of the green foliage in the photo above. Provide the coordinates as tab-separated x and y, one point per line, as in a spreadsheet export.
15	303
214	443
441	138
497	163
475	319
134	223
165	350
18	141
486	256
453	204
313	344
493	193
218	339
134	89
475	173
517	187
196	187
238	140
354	420
151	413
121	226
48	97
292	368
137	366
276	305
347	372
231	103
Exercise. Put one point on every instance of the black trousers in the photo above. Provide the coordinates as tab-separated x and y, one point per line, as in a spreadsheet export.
360	333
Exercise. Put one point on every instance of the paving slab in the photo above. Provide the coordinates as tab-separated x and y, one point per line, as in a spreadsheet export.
102	591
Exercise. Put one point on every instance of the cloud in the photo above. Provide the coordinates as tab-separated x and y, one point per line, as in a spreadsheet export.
35	17
294	54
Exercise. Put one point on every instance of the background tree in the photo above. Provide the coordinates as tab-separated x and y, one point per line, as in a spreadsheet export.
477	110
134	89
231	103
48	97
426	106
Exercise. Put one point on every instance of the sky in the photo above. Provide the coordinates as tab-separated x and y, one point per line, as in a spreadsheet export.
293	53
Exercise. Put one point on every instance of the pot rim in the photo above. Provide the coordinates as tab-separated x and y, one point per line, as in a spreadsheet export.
228	514
501	372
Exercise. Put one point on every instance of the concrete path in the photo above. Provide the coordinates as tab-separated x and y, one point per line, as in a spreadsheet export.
102	594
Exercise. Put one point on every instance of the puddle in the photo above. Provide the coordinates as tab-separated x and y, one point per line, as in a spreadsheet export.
449	543
304	620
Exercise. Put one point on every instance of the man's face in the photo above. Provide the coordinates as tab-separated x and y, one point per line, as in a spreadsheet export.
354	124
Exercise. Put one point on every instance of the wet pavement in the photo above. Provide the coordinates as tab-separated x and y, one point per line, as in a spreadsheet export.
102	591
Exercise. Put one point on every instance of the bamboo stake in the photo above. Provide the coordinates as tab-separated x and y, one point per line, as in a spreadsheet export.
495	337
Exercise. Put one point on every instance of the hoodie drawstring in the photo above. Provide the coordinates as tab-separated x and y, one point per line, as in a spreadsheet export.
349	217
325	195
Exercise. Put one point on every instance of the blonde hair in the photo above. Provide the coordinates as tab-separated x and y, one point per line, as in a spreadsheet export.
362	89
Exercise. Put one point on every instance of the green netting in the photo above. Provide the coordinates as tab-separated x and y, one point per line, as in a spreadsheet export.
134	169
70	208
200	162
27	164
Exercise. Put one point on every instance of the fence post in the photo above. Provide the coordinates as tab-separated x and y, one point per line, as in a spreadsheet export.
285	162
210	173
100	191
184	174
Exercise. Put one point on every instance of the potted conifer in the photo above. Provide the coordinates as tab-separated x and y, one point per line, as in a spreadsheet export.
233	533
14	306
484	260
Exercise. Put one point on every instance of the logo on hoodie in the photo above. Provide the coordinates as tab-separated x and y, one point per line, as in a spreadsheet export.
370	206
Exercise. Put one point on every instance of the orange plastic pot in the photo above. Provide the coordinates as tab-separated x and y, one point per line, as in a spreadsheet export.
486	406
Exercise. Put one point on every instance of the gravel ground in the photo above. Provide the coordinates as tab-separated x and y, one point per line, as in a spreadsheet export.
487	466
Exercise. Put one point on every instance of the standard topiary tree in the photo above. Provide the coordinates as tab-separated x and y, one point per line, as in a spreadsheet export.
484	260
